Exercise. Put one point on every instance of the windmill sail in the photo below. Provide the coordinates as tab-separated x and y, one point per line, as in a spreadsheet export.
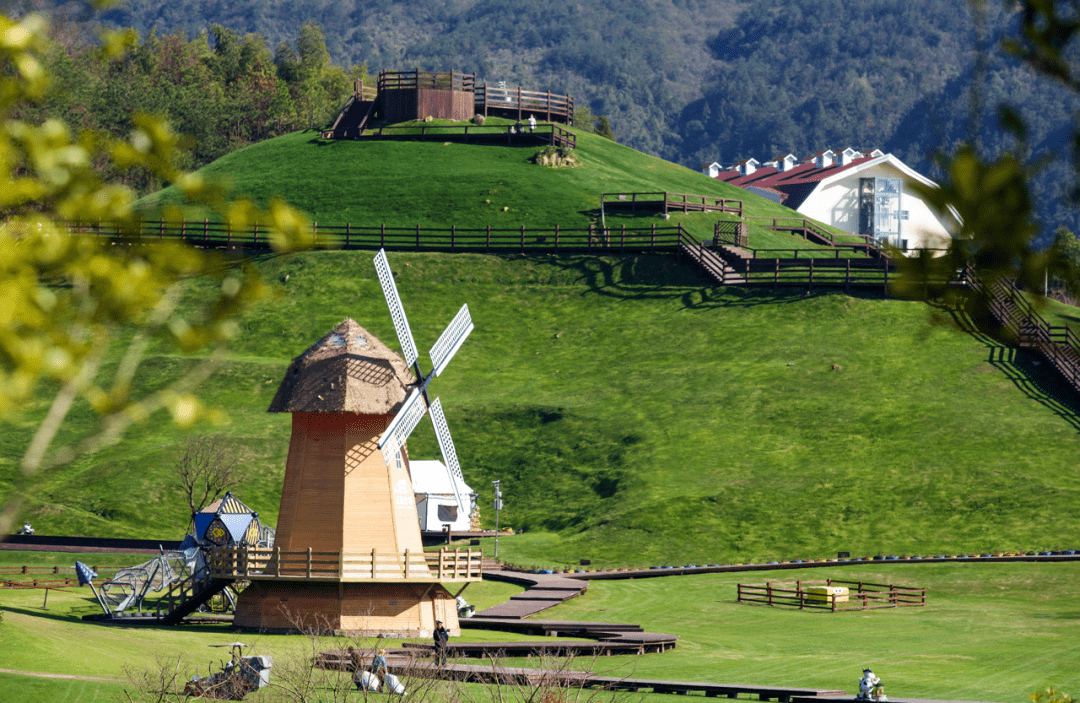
402	425
446	446
397	312
451	340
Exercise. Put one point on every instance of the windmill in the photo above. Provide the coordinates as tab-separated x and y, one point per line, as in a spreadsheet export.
418	403
348	548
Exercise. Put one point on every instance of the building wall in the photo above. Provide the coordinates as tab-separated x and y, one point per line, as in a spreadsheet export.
838	205
338	493
412	104
395	610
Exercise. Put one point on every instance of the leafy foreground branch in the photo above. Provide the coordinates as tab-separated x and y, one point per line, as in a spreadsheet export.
70	299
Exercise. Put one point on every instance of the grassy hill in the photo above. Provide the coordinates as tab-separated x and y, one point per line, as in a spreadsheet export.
635	414
438	184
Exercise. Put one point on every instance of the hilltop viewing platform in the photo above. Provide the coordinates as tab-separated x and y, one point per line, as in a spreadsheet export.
404	96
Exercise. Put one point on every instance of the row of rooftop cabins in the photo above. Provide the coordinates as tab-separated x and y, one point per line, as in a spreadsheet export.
787	162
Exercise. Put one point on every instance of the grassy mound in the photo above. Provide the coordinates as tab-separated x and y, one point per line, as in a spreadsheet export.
404	183
638	416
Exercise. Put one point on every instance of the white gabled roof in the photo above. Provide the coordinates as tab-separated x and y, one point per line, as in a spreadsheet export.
433	478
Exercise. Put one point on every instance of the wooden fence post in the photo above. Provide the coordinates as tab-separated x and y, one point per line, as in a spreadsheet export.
622	240
277	561
652	242
453	232
418	236
523	226
205	229
406	563
348	233
590	235
487	243
373	557
847	275
382	235
309	562
811	274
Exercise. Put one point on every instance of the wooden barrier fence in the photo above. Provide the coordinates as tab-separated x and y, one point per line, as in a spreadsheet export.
257	563
666	202
521	239
550	133
433	80
511	101
861	595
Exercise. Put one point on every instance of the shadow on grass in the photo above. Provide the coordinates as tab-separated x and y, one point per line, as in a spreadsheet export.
664	277
1029	371
39	613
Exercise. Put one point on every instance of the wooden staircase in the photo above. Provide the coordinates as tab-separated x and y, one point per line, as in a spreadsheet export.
712	263
357	114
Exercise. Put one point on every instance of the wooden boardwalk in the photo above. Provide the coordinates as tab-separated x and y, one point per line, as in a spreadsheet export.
405	668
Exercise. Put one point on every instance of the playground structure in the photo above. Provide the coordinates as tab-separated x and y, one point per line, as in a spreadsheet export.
402	96
177	582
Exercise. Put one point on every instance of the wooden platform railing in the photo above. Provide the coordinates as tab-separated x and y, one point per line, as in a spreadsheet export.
497	101
275	564
434	80
861	595
666	202
809	229
550	133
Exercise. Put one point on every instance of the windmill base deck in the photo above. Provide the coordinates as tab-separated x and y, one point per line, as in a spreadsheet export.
390	610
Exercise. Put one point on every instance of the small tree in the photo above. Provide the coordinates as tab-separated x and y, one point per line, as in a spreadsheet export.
603	128
205	466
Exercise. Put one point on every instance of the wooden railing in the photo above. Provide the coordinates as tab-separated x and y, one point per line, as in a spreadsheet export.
552	134
861	595
256	563
553	107
667	202
401	80
1058	344
809	229
348	236
734	232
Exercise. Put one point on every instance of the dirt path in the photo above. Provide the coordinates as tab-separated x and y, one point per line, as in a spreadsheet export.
60	676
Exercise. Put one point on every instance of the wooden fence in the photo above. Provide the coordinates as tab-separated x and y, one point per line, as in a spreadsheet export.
508	102
429	80
861	595
736	233
521	239
257	563
496	134
664	201
810	230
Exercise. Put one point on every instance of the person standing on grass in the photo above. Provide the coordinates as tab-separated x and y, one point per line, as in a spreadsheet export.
532	124
378	665
442	637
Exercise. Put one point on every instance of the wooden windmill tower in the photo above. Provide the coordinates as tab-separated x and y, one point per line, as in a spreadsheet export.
348	553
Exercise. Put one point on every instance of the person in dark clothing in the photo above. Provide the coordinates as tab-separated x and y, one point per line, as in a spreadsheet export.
442	637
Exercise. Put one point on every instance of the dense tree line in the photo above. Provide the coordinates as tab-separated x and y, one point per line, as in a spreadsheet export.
219	89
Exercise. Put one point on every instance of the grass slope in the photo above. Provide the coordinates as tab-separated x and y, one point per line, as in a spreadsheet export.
405	183
989	632
638	416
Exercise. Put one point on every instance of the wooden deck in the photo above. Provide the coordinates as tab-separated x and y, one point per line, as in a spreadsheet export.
666	202
252	563
405	668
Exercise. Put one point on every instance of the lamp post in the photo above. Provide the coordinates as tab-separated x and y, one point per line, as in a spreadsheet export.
498	507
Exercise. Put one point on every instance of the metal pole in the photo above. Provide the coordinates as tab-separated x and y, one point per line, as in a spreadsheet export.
498	507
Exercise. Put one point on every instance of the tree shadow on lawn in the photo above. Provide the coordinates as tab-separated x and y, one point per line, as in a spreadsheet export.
662	277
1028	370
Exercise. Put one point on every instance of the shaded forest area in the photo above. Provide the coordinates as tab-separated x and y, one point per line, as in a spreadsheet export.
691	81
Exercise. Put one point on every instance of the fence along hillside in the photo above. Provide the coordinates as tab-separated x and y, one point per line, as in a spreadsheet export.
720	263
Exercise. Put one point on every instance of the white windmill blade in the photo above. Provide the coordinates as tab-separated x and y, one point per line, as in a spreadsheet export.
451	339
446	446
397	312
402	425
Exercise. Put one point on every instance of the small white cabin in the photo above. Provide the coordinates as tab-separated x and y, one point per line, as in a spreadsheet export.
436	505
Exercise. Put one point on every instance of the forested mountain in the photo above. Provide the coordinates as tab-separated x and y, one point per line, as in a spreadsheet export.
695	80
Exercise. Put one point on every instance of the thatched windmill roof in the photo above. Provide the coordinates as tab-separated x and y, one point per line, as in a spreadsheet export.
348	370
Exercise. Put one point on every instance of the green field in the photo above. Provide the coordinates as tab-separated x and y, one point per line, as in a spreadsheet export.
435	184
989	632
641	417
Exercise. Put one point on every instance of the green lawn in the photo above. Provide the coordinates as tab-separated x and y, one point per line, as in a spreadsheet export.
989	632
637	416
434	184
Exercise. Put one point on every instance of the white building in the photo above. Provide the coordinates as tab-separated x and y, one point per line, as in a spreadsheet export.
858	192
436	504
